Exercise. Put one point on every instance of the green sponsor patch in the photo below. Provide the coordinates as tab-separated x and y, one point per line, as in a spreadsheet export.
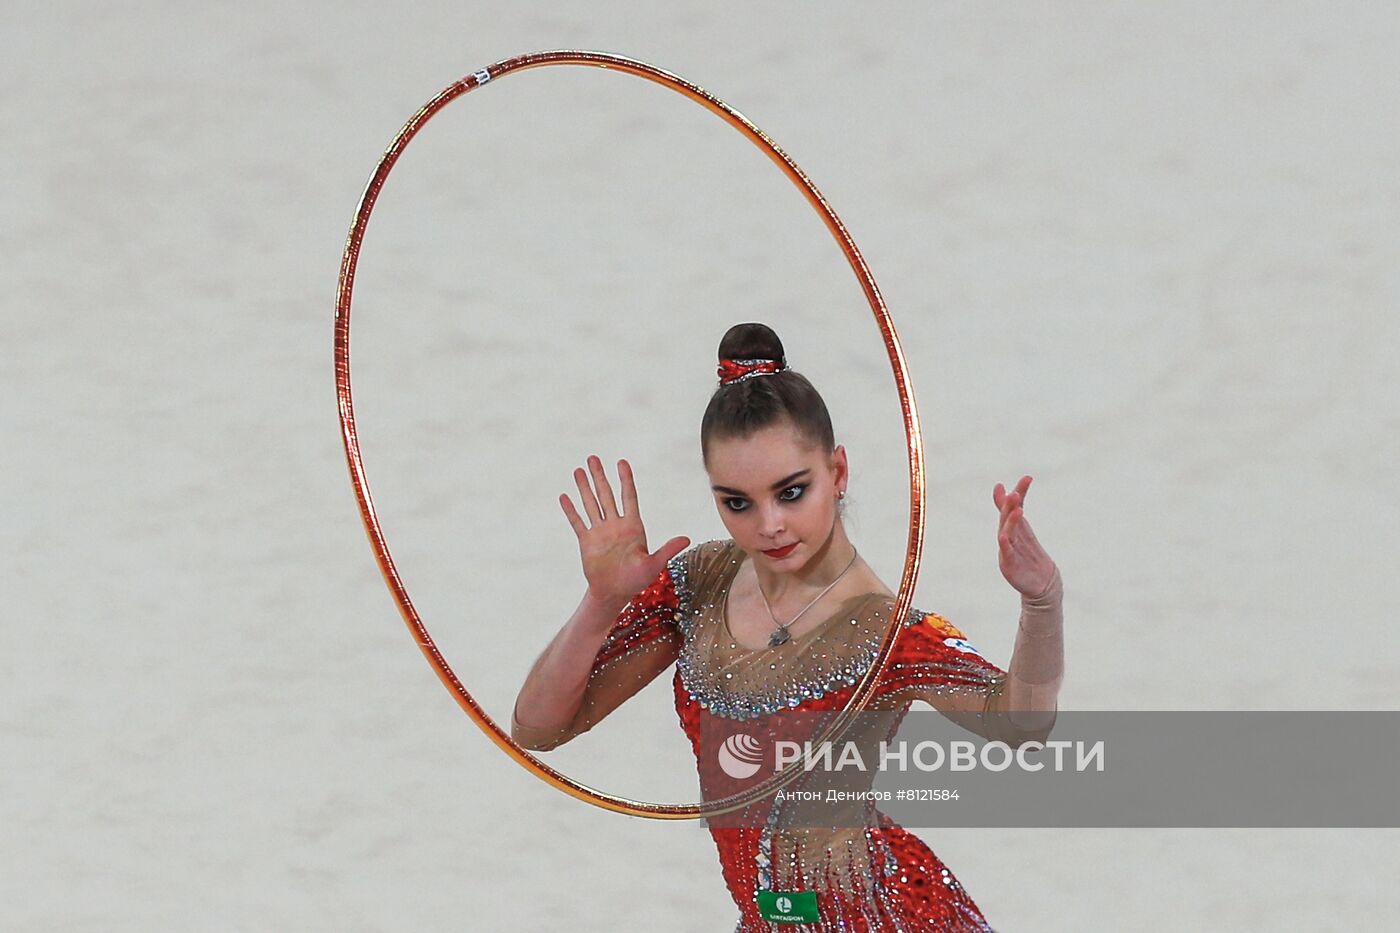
788	906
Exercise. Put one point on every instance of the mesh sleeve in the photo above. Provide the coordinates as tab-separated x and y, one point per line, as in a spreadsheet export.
644	641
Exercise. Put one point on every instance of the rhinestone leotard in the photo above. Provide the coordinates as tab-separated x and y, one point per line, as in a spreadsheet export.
878	877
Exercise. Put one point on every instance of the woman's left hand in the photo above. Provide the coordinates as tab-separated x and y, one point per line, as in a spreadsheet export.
1024	563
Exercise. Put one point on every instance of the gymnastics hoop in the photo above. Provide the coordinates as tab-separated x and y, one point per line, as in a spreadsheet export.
914	549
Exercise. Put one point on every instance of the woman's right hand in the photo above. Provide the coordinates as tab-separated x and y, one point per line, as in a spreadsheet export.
613	545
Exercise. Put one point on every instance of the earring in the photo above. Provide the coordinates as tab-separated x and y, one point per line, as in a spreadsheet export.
841	494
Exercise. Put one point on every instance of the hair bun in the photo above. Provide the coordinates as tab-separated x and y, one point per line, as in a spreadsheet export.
751	341
741	404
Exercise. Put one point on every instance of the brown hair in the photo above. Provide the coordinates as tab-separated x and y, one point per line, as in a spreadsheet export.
742	408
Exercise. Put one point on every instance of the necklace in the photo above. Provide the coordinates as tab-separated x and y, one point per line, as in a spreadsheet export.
781	635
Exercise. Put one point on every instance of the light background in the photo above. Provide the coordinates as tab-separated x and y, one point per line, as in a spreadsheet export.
1148	256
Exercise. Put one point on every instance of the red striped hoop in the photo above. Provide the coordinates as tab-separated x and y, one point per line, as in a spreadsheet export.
358	480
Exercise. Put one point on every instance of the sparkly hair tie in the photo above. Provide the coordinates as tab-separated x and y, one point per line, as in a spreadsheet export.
731	371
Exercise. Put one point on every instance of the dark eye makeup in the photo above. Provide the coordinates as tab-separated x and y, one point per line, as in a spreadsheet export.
743	504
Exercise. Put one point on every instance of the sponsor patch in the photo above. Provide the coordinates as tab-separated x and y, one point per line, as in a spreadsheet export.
963	645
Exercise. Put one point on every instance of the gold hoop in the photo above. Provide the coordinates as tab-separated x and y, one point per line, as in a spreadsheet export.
913	435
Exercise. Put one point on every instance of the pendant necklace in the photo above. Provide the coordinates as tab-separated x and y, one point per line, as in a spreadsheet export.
781	635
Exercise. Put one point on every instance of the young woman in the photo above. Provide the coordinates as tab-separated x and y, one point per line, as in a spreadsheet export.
785	616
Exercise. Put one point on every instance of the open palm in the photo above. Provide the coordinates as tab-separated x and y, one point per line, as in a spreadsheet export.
613	543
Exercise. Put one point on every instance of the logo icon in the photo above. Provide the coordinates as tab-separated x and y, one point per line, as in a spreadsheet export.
740	756
785	904
962	645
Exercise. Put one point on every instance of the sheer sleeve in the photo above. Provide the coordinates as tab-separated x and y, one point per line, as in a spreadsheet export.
644	641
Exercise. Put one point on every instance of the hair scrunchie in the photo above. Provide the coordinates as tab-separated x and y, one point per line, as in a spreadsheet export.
731	371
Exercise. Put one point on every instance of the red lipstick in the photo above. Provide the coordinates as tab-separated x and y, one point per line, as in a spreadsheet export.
782	551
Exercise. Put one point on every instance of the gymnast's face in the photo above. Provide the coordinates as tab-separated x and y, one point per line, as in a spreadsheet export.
776	494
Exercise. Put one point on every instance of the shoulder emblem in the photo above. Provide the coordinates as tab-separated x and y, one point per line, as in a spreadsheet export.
960	644
941	626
